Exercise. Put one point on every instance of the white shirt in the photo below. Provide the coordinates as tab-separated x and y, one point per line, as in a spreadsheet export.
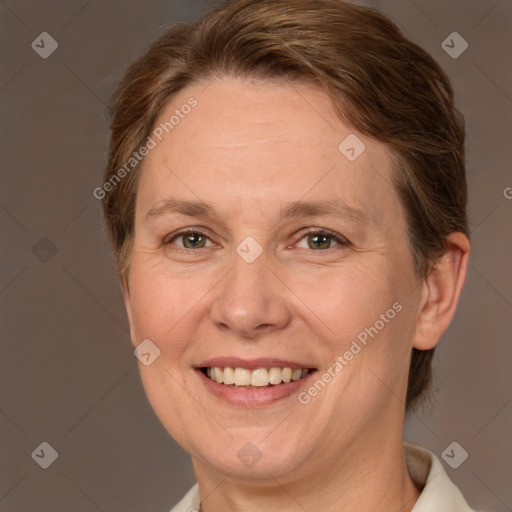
439	494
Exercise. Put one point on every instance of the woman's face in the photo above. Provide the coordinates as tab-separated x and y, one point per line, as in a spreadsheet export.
295	256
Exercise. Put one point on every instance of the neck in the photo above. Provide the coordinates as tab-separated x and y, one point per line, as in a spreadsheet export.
365	478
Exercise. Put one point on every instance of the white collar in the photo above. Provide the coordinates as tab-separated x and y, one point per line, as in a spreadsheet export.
439	494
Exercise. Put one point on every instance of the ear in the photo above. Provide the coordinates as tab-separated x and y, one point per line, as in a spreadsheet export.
441	292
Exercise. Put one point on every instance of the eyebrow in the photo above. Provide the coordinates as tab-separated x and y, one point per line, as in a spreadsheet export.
298	209
301	209
190	208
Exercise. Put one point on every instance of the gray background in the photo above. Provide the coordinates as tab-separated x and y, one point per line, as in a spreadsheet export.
68	374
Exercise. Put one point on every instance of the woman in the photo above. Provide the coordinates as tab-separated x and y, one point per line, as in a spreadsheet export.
286	199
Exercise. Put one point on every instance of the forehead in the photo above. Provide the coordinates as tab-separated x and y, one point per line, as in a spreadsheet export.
247	143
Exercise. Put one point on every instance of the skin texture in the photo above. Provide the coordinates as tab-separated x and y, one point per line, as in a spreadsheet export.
249	149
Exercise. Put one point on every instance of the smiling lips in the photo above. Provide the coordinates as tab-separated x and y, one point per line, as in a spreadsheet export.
260	377
253	373
253	382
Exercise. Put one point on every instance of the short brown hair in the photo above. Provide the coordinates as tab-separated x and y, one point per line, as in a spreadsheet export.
380	83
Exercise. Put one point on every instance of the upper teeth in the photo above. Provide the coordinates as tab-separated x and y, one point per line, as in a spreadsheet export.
259	377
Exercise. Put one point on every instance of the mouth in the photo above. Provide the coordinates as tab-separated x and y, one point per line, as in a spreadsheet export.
258	378
257	382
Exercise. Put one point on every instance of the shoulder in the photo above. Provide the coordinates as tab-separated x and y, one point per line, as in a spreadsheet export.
439	493
191	502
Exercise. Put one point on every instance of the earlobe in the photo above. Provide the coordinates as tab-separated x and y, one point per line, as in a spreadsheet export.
441	292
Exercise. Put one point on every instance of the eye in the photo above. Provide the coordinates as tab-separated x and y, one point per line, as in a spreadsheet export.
189	240
321	240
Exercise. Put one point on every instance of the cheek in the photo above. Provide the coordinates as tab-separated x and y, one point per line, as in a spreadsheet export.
368	315
160	302
346	301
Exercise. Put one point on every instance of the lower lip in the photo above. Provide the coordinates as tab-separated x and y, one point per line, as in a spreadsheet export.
254	396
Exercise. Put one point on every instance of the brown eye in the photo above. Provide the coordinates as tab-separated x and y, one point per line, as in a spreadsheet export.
189	240
193	240
321	240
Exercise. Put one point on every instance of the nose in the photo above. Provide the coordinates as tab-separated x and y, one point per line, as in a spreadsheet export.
251	301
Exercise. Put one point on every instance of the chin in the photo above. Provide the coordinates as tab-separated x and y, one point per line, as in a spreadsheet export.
248	460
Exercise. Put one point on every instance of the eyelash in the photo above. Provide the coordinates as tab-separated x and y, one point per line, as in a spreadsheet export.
340	241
